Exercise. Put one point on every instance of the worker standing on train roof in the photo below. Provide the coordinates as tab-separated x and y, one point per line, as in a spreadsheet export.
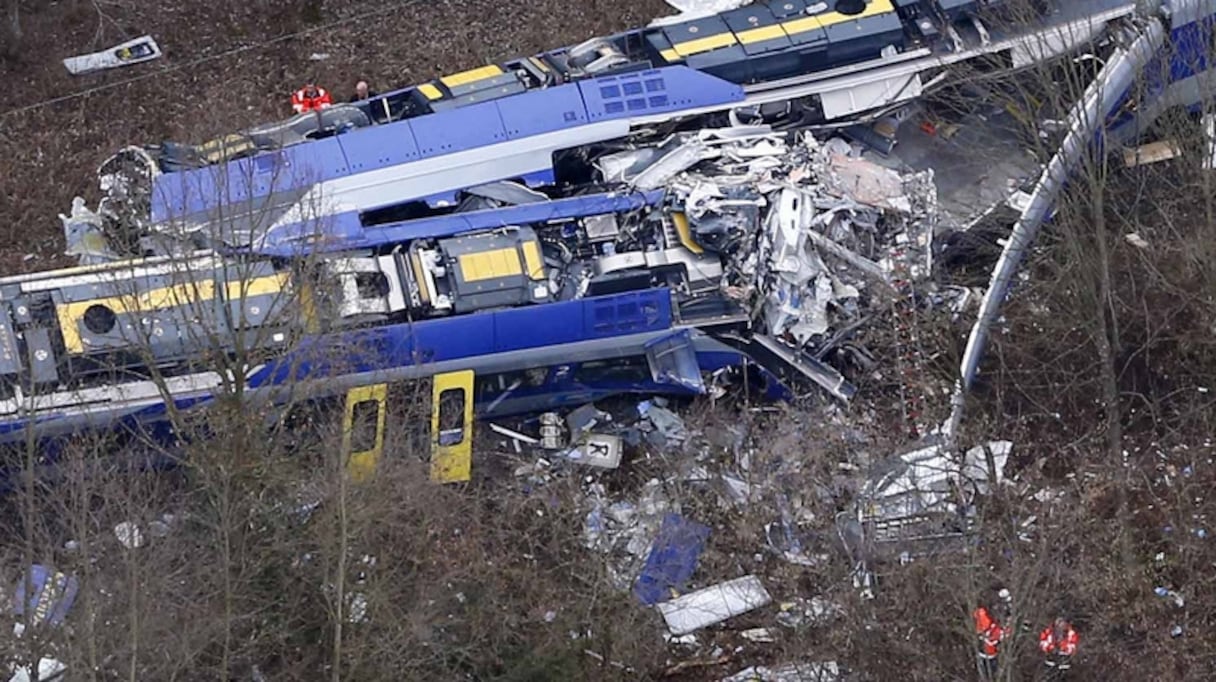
310	98
1058	642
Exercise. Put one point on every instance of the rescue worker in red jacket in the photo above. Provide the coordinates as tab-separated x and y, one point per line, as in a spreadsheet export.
1058	642
990	633
310	98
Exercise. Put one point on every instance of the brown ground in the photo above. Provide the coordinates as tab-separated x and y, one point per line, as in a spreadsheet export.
52	151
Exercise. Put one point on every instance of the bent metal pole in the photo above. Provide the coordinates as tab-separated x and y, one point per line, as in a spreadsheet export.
1084	123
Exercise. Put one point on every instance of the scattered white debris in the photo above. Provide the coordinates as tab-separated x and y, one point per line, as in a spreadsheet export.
515	435
130	535
1136	240
125	54
714	604
356	608
758	635
975	464
828	671
49	669
811	612
689	640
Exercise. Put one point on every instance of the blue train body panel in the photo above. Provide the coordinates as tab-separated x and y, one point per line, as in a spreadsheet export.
672	559
287	172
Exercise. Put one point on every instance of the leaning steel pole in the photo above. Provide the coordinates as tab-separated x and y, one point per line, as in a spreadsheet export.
1085	122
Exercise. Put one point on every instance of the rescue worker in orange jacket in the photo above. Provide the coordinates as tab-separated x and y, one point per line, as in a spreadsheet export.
310	98
990	633
1058	642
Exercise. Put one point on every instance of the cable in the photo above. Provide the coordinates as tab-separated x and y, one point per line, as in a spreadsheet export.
203	60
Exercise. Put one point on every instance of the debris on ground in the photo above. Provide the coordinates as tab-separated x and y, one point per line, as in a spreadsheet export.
668	428
790	672
124	54
49	670
624	531
758	635
812	612
713	604
1153	152
47	594
585	418
1166	593
1136	240
672	559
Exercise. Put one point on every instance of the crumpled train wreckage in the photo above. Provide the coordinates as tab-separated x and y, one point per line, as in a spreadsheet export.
693	249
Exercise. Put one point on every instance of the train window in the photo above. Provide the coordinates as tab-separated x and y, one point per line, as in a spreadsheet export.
363	424
451	417
633	368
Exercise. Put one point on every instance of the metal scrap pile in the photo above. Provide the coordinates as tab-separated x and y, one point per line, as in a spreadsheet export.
811	234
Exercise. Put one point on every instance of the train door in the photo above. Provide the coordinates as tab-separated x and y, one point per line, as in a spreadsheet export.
452	426
673	360
363	426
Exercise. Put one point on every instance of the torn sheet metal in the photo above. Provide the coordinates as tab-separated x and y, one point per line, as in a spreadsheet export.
669	428
931	480
624	531
85	236
507	193
812	612
584	418
827	671
714	604
672	559
124	54
48	595
975	469
49	670
810	235
678	159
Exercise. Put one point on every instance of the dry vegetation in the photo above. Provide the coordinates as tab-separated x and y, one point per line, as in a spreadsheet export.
273	560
